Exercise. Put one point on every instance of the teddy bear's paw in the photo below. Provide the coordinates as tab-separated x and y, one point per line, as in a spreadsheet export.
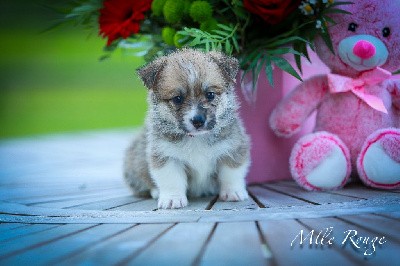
320	161
378	163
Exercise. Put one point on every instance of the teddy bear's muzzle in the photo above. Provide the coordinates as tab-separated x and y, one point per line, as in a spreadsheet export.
363	52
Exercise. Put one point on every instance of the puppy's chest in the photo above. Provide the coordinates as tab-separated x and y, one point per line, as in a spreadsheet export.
197	155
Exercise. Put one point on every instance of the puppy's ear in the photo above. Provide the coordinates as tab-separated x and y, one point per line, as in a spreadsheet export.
229	65
150	73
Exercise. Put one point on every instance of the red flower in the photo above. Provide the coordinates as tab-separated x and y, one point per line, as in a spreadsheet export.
271	11
121	18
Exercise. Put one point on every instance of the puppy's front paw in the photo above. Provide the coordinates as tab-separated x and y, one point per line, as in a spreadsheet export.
233	195
172	202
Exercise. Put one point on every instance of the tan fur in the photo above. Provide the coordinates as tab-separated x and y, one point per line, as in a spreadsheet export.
169	139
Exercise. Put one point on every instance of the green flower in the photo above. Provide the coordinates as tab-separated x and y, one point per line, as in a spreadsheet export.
209	25
157	7
173	11
168	35
200	11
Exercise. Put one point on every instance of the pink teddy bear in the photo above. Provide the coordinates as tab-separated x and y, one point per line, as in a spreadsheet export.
358	104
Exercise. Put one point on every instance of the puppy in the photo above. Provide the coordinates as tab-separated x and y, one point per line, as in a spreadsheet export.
193	141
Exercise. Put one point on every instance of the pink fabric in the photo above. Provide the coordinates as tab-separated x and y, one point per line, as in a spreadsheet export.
338	83
310	151
364	49
343	99
390	141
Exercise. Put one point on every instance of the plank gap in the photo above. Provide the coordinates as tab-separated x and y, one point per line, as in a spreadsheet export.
212	202
136	201
363	227
266	251
256	200
46	242
77	252
136	253
386	216
288	194
340	250
197	260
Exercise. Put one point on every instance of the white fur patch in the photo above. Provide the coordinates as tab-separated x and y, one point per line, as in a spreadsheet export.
379	167
233	185
187	119
331	172
347	55
171	182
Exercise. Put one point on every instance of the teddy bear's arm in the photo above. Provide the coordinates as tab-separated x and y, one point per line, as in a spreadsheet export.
289	115
393	87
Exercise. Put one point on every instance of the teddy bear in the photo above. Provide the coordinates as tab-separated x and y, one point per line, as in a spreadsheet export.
357	103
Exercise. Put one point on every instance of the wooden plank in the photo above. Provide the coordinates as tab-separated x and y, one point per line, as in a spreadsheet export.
61	197
234	244
386	254
179	246
76	202
141	205
279	235
196	204
67	246
105	204
393	215
270	198
10	226
248	204
119	248
36	194
316	197
25	230
377	224
23	243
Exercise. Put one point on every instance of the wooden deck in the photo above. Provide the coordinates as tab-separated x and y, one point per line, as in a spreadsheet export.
63	201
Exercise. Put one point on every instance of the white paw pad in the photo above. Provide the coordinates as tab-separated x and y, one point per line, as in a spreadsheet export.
380	167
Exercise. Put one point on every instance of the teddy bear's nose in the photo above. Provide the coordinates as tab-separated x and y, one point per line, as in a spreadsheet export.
364	49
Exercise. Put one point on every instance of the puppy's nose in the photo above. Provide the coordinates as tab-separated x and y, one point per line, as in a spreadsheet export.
198	121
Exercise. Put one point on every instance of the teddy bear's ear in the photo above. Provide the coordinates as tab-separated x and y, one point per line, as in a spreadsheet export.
229	65
150	73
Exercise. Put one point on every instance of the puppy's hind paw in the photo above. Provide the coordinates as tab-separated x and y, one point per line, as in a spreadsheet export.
172	202
231	195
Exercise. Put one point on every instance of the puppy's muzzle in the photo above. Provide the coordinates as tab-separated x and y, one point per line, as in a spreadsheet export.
198	120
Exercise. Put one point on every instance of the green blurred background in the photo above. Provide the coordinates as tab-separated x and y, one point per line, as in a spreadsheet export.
54	82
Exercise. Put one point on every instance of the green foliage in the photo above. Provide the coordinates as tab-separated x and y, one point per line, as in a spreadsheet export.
173	11
200	11
168	35
209	25
222	39
157	7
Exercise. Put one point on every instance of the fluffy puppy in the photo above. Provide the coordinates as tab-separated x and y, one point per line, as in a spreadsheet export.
193	141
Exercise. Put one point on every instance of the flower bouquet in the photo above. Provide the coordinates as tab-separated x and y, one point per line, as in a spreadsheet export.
269	37
257	32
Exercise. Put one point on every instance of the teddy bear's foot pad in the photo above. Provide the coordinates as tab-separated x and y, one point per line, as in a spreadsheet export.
379	161
320	161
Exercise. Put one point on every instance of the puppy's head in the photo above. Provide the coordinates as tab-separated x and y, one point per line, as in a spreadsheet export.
191	90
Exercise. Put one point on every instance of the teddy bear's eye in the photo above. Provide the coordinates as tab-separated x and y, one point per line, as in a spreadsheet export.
386	32
352	27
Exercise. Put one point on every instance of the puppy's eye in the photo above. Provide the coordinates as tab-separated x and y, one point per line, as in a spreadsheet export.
210	95
178	100
352	27
386	32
